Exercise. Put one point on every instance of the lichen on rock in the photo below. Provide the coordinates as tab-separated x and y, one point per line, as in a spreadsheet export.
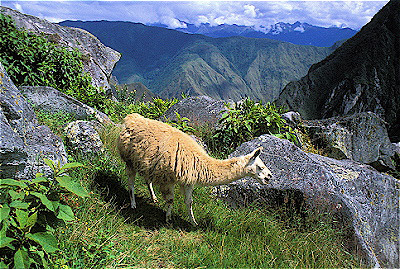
24	143
83	136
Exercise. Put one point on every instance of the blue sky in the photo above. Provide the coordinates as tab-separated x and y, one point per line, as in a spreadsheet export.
353	14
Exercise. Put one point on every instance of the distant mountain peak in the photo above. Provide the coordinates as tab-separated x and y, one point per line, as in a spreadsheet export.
299	33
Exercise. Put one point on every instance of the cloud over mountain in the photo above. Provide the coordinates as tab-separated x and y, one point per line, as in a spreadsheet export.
353	14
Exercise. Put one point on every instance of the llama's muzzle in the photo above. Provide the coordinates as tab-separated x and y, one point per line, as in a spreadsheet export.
265	177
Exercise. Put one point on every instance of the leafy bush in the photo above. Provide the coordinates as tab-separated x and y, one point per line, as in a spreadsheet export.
246	120
30	211
32	60
181	123
152	109
156	108
123	93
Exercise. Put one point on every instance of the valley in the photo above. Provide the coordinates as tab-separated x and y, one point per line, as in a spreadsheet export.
170	62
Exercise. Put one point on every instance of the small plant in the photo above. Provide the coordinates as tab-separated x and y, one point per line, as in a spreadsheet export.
30	212
396	163
246	120
55	121
153	109
123	94
156	108
181	123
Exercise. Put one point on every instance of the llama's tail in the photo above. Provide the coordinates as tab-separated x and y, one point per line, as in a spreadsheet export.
109	136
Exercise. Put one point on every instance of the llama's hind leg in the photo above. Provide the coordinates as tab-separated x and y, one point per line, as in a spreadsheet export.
168	195
131	184
188	190
152	194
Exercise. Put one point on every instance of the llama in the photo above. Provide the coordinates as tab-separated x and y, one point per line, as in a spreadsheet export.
166	156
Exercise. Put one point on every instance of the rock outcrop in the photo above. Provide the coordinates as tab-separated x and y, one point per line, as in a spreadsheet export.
361	75
53	101
361	198
361	137
23	141
83	136
99	60
200	110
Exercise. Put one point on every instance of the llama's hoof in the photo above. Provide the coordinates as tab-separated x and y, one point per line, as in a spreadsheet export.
133	206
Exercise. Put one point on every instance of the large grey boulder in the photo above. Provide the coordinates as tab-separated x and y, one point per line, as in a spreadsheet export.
292	118
99	60
397	148
53	101
361	137
200	110
83	136
360	197
23	141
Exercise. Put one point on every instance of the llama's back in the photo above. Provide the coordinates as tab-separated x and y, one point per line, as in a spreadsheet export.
160	152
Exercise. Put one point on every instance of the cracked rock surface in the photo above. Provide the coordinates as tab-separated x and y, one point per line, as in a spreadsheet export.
361	198
23	141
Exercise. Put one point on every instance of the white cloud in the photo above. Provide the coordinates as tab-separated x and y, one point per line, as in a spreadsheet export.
52	19
250	11
201	19
18	7
353	14
173	23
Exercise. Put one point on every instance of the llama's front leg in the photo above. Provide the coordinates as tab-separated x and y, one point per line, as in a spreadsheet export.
168	194
131	184
152	194
188	190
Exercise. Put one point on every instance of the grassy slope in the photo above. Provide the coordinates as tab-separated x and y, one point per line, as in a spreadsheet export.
107	233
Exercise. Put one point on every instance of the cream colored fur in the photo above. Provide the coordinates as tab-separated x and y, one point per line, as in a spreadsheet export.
165	156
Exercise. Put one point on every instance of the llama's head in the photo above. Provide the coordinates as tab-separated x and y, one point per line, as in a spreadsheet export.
256	168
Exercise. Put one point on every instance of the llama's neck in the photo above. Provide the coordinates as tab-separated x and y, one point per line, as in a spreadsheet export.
220	172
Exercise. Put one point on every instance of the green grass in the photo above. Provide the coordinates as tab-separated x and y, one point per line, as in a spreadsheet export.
108	233
56	122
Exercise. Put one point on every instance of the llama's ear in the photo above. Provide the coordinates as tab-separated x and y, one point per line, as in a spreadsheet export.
255	153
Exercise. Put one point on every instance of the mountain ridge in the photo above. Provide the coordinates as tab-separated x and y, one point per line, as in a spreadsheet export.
170	62
361	75
297	33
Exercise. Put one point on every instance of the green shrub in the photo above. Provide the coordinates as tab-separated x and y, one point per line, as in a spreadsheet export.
154	109
122	93
181	123
30	212
31	60
246	120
